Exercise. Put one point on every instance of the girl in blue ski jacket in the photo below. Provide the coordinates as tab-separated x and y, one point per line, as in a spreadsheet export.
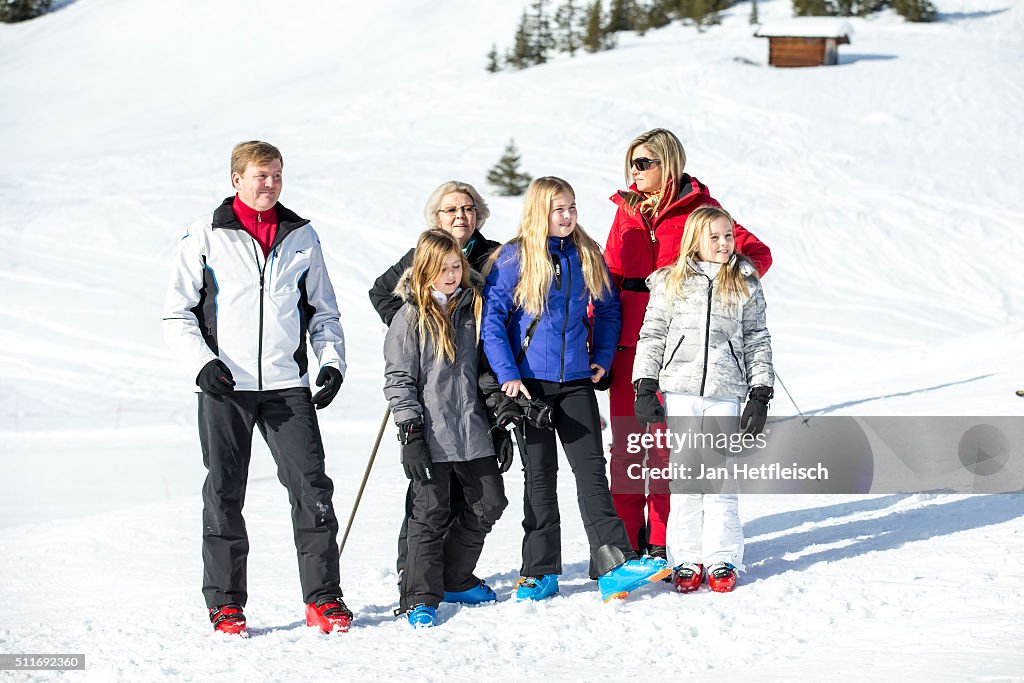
538	340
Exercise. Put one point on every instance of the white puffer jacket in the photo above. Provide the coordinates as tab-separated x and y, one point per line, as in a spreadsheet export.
226	300
690	349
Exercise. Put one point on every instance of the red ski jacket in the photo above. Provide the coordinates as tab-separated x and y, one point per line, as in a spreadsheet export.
637	247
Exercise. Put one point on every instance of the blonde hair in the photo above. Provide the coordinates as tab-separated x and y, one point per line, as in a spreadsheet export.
731	282
535	269
668	150
253	152
434	202
435	323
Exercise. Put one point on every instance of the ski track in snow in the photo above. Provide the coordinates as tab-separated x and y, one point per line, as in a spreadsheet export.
886	187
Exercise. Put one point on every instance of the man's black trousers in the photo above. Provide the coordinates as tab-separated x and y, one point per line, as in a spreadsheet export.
287	420
578	425
443	555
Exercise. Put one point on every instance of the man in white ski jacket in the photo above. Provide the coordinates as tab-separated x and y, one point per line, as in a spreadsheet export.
248	286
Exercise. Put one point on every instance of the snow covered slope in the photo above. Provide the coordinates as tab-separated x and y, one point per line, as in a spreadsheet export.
887	188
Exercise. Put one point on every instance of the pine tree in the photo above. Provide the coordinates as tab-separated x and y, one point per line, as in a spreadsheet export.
754	19
593	38
915	10
620	16
812	8
658	14
493	65
13	11
506	176
541	39
519	56
567	22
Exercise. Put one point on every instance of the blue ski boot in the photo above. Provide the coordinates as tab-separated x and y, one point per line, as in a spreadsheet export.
630	575
530	588
422	616
473	596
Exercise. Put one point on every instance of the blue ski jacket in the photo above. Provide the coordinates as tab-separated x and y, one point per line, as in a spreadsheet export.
556	346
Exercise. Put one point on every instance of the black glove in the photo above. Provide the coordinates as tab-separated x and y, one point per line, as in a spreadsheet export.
604	383
755	413
505	410
647	407
215	379
504	448
536	412
330	379
415	454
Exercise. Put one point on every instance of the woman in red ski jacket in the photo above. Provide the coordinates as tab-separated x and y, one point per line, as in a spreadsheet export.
645	236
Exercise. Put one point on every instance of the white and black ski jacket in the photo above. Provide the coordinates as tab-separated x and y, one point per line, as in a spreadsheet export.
226	300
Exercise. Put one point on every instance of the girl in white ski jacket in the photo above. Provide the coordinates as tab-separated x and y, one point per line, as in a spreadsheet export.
704	344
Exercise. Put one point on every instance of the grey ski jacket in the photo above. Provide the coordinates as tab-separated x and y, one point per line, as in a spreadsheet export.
417	383
696	345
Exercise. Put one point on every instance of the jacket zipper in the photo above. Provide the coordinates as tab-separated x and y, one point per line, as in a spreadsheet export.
736	358
259	350
707	335
678	344
565	321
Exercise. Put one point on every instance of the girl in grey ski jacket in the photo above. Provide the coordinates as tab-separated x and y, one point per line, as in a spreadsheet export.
420	384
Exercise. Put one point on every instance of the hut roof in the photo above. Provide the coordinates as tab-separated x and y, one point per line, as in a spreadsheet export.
806	27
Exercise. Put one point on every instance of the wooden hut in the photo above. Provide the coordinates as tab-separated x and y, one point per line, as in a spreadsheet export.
810	41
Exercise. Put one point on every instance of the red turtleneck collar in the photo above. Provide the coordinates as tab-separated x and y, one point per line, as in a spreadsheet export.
261	225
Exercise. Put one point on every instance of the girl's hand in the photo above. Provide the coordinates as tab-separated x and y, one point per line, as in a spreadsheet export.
512	388
599	372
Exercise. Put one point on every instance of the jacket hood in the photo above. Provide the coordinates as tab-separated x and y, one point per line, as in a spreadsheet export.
689	189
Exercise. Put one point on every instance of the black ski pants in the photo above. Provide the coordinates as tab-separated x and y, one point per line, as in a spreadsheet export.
287	420
578	426
443	556
456	502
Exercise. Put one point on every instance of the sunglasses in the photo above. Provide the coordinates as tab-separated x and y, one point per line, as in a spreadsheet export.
643	163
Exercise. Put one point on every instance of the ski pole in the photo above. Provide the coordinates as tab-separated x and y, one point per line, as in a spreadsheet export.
778	377
366	475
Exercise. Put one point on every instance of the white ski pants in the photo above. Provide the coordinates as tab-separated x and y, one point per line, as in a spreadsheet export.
703	527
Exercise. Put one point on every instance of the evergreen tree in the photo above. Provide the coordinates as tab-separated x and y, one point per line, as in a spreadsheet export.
811	8
650	15
704	13
754	19
493	65
541	39
13	11
620	16
506	176
915	10
519	56
658	14
594	37
567	22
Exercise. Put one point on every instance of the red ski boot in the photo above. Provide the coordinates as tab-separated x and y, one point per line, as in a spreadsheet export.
228	619
722	577
687	577
329	614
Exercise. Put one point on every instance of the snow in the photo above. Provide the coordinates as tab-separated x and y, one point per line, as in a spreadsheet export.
884	186
807	27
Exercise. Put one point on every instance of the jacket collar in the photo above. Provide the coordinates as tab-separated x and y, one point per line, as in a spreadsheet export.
689	188
287	220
